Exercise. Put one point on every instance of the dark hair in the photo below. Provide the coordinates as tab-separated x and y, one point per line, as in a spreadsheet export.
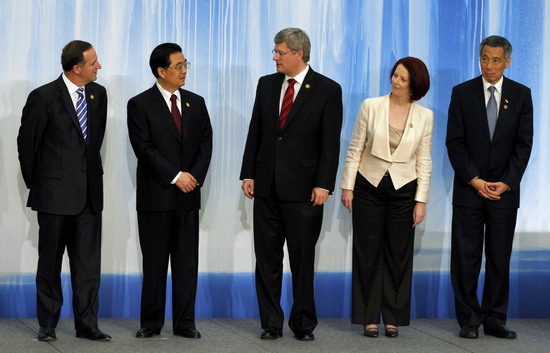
160	57
418	76
73	54
295	39
497	41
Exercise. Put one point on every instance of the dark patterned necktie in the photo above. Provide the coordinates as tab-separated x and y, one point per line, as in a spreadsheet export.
176	112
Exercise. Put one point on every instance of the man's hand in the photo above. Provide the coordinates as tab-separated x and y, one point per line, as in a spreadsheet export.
318	196
248	188
186	182
419	212
497	188
347	198
485	189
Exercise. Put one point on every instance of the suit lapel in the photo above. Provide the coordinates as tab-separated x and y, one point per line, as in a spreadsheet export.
276	98
308	83
159	106
185	112
91	109
381	139
65	98
478	97
505	101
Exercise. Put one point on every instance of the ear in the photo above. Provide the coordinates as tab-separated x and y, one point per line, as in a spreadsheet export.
508	61
160	72
77	69
300	53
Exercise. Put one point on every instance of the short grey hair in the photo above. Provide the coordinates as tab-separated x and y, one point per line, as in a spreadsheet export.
497	41
295	40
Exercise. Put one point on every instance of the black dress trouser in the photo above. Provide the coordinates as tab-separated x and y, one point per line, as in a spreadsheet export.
383	242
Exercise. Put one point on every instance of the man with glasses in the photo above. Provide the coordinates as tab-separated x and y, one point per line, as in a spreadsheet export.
289	168
170	132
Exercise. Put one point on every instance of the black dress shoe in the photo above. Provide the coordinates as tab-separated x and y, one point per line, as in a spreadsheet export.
469	332
145	332
189	333
46	334
500	331
305	336
271	334
94	334
370	332
391	332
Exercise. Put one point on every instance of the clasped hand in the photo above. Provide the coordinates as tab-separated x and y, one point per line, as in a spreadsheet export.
186	182
489	190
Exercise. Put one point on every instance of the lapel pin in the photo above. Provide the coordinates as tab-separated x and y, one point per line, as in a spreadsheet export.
307	85
92	96
506	100
411	125
187	104
505	106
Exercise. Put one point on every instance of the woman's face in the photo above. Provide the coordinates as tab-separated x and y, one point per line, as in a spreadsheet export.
400	82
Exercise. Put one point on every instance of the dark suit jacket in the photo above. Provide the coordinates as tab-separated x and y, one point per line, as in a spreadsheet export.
471	151
58	166
162	152
305	153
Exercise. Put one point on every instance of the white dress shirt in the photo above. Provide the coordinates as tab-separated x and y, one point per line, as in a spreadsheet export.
72	88
167	95
498	91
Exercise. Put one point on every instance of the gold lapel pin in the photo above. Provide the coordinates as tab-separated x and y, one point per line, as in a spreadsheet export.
505	106
411	125
307	85
92	96
187	104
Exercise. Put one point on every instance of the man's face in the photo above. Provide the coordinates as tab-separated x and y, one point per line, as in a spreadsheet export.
287	62
493	63
87	71
173	77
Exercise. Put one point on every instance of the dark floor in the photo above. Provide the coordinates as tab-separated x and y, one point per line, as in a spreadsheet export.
242	335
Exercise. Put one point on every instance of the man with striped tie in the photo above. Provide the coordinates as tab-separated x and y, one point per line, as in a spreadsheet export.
59	142
289	168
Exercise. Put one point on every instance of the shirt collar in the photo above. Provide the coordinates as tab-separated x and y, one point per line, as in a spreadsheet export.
497	85
300	77
167	94
70	86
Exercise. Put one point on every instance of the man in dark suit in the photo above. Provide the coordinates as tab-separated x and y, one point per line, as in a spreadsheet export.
171	135
59	142
289	168
489	139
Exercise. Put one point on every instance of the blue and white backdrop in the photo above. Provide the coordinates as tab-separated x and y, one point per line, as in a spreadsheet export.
229	42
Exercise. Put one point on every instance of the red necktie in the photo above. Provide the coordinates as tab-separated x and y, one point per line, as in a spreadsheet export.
287	102
176	112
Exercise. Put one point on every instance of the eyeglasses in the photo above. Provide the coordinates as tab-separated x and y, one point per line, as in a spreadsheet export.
280	53
180	66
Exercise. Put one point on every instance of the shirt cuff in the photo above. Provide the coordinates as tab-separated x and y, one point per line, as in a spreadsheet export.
175	179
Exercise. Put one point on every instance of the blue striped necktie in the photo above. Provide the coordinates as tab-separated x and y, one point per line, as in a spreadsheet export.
82	112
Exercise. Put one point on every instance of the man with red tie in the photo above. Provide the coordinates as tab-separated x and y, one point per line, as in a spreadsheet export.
289	168
170	132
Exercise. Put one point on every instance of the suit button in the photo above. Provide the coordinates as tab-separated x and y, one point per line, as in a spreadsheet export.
279	139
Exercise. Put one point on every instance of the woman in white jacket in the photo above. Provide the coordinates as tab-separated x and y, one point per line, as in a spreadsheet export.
386	182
